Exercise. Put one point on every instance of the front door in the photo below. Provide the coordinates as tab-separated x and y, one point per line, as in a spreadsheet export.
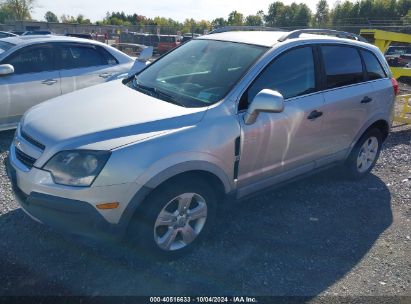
280	145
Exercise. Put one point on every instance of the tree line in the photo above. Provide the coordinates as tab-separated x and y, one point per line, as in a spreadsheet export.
16	9
278	15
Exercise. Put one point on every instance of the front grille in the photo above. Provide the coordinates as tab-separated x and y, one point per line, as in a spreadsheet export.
27	160
32	141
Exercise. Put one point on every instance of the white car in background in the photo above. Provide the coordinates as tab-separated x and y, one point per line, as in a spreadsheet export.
37	68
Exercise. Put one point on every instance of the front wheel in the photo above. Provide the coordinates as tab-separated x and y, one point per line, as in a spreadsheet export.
175	218
364	155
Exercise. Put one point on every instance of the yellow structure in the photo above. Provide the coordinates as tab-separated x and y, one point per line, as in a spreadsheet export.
383	39
398	72
405	115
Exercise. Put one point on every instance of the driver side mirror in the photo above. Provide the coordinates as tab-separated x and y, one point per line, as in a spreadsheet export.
268	101
6	69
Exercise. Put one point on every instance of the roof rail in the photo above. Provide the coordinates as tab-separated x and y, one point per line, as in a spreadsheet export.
233	28
340	34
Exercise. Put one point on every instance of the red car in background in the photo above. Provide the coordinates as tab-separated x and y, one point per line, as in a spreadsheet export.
405	60
167	43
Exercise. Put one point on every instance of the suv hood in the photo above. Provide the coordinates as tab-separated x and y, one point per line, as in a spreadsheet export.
104	117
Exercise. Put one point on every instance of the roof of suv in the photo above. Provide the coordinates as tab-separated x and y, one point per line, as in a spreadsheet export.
264	38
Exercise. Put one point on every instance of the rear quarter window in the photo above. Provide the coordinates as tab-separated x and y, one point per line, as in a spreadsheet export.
373	66
342	66
106	54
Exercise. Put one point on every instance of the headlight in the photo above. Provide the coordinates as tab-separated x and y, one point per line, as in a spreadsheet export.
77	167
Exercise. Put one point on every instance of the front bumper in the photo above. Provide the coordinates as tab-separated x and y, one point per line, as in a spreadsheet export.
68	215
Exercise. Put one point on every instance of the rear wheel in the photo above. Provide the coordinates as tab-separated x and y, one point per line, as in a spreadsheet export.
175	218
364	155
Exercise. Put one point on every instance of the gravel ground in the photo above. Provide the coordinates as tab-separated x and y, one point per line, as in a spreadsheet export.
320	236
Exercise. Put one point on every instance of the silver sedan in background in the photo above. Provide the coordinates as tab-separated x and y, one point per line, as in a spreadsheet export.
36	68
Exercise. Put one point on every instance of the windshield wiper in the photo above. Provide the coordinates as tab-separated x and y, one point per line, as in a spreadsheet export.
154	92
169	97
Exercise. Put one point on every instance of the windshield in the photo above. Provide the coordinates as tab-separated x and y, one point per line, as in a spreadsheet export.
5	46
199	73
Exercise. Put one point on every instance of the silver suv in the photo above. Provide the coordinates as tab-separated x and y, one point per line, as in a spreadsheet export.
154	156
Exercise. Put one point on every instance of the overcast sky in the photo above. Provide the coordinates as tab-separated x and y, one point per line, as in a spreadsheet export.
177	9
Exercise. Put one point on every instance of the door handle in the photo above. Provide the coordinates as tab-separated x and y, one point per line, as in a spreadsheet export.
366	99
314	115
49	81
105	75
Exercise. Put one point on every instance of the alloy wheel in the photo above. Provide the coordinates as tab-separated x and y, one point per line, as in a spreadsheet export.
367	154
180	222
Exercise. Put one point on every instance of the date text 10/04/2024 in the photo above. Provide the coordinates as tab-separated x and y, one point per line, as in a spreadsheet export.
203	300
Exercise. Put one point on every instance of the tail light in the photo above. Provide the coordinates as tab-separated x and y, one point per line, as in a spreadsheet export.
394	85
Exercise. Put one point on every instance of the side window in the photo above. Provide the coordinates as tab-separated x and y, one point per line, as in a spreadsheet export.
109	58
292	74
32	59
373	66
342	66
79	56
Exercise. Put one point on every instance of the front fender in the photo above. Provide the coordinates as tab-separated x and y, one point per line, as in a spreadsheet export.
173	165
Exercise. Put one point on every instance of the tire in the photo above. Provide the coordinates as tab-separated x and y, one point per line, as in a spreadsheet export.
361	161
153	235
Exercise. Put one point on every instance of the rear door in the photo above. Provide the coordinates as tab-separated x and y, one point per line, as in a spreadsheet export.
84	65
348	97
35	80
383	93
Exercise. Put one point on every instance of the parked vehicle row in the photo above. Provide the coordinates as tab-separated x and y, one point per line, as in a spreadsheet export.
189	36
167	43
77	35
23	33
37	32
154	156
405	60
398	56
131	49
6	34
160	43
